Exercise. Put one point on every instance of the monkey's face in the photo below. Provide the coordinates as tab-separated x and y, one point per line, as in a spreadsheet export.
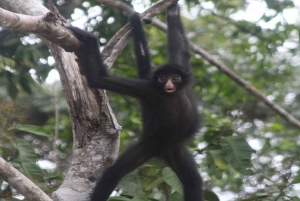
169	82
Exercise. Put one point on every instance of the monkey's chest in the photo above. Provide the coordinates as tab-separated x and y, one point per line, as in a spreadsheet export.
170	119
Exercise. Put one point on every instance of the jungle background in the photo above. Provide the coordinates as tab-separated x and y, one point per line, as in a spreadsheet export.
245	150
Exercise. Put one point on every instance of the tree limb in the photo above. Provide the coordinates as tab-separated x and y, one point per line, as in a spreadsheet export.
21	183
45	26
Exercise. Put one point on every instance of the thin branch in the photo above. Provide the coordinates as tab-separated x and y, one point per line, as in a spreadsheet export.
223	68
21	183
254	91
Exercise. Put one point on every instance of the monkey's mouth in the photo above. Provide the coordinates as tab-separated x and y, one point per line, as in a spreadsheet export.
170	90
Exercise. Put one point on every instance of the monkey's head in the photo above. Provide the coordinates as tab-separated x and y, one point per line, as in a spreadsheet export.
170	78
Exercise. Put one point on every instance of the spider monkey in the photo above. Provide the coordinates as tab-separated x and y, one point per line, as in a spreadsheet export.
169	112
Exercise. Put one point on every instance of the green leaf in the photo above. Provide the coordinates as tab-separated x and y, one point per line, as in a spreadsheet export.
12	90
211	196
118	198
294	198
37	130
153	184
171	179
218	160
176	197
296	180
257	197
25	83
140	199
5	61
131	188
237	152
216	163
27	159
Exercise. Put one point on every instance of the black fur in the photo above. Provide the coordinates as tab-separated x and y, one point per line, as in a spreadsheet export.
169	120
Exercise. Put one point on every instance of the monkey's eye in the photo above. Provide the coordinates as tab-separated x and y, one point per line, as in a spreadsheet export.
162	78
176	78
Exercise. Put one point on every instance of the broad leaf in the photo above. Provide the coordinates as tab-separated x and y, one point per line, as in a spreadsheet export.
172	180
118	199
37	130
211	196
296	180
131	188
153	184
27	159
176	197
237	152
216	163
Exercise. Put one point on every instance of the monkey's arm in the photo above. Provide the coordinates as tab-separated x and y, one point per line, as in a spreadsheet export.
91	65
132	87
141	49
178	45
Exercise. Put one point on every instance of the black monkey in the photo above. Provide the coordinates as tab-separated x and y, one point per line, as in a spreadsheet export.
169	113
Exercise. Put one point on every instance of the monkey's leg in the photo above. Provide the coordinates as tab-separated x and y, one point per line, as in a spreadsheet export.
133	157
182	162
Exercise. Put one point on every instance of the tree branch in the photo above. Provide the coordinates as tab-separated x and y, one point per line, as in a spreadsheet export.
223	68
23	185
239	80
45	26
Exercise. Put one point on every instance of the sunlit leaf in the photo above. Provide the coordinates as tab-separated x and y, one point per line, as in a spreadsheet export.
237	152
37	130
218	160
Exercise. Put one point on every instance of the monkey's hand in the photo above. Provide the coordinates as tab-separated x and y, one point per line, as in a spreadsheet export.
88	55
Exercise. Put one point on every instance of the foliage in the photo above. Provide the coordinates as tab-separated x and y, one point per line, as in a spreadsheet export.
245	151
24	145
